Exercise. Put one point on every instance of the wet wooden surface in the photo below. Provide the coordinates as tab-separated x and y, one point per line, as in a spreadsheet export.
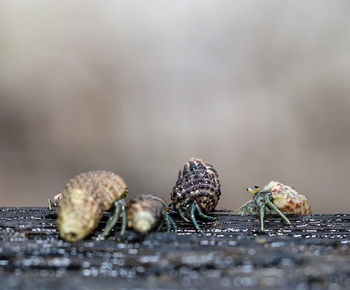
314	252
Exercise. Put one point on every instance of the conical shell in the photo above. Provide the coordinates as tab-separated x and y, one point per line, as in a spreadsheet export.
84	201
199	180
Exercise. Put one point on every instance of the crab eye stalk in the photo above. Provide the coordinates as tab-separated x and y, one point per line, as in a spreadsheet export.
250	190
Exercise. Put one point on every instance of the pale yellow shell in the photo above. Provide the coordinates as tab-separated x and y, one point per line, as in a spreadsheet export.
84	201
144	212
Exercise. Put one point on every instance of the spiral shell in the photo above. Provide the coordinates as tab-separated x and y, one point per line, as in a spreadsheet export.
84	200
198	180
287	199
144	212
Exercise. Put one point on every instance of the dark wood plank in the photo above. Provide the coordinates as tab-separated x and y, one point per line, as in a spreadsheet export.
312	252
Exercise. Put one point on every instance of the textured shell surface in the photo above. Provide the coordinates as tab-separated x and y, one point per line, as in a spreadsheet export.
84	200
144	212
287	199
198	180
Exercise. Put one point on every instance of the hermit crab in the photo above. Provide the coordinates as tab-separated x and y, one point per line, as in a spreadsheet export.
275	198
85	198
54	203
197	191
145	212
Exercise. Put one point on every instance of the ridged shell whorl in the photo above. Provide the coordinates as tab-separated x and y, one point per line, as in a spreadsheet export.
199	180
84	200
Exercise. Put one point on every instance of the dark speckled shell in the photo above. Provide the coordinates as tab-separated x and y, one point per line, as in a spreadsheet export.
199	180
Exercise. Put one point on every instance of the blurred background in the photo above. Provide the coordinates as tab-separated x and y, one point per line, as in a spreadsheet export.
259	89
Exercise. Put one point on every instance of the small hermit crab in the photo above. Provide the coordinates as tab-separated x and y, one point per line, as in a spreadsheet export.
85	198
275	198
54	203
197	190
145	212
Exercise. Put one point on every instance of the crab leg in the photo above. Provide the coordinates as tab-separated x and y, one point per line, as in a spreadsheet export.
119	209
169	221
183	214
275	208
262	214
193	219
202	215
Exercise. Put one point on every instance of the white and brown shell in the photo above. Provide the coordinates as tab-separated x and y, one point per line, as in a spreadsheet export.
198	180
144	212
84	201
287	199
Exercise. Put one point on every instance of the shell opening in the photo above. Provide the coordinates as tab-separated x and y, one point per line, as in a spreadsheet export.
71	236
143	222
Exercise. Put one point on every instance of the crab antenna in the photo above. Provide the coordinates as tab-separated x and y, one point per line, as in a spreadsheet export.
250	190
257	188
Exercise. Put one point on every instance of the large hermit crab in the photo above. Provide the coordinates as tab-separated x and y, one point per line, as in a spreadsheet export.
197	191
85	198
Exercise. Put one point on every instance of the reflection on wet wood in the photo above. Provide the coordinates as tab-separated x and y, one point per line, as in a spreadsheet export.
313	252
